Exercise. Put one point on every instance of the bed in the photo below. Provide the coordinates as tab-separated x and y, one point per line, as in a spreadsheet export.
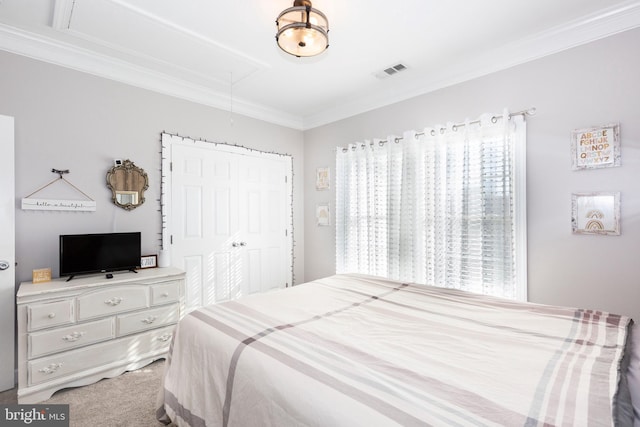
355	350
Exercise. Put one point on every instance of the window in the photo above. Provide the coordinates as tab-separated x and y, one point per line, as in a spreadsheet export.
443	207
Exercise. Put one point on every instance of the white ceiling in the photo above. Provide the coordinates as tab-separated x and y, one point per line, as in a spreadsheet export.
223	53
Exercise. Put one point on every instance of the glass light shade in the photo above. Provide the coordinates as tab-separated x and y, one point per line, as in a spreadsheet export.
302	31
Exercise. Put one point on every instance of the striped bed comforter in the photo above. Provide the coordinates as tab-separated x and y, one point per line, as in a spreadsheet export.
353	350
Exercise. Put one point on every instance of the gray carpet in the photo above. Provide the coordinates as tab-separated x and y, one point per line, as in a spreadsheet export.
123	401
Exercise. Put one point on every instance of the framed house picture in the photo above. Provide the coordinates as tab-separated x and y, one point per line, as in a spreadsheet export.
595	213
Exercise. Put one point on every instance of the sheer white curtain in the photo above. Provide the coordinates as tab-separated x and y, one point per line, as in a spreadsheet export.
444	207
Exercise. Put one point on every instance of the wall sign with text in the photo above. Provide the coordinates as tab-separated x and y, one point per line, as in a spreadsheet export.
58	205
596	147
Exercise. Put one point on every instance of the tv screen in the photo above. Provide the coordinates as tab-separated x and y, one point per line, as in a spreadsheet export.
96	253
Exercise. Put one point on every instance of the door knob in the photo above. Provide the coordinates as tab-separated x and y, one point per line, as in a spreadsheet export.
4	265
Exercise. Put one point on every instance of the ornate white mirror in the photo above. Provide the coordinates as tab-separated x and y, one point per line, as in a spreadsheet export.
127	183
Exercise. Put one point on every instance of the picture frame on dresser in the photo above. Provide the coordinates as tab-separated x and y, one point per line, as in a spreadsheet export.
149	261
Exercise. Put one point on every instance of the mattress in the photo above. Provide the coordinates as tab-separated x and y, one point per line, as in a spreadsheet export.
354	350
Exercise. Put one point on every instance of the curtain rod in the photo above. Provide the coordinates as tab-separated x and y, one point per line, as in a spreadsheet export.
528	112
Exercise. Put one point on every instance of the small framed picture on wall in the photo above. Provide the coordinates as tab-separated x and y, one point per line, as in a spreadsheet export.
596	147
595	213
323	178
323	215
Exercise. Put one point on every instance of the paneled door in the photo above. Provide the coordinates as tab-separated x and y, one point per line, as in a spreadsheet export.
7	253
229	220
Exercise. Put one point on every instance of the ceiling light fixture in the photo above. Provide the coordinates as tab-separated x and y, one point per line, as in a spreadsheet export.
302	30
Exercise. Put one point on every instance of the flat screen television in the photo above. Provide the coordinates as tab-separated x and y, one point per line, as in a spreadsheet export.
99	253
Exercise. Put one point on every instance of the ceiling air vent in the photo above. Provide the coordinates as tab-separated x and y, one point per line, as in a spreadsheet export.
390	71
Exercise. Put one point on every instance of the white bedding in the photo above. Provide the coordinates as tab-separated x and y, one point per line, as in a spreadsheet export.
353	350
633	374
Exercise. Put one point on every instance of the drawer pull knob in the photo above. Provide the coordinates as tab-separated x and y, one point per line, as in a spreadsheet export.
114	301
50	369
164	337
149	320
75	336
52	315
165	294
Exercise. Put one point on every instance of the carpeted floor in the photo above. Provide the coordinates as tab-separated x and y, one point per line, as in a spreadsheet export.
128	400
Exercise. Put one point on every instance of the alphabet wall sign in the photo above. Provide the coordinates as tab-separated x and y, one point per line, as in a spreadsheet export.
596	147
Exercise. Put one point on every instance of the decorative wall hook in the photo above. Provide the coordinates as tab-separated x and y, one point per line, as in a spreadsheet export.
60	172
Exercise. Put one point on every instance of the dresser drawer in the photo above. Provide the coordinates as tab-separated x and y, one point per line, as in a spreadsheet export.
49	314
112	301
72	362
47	342
148	319
163	293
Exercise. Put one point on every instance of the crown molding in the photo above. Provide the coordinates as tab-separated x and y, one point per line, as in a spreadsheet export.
42	48
585	30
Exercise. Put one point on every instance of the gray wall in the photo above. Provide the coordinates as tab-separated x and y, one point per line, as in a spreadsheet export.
70	120
589	85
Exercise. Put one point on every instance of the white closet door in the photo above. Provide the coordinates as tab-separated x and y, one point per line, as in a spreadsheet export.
204	190
262	214
7	253
230	221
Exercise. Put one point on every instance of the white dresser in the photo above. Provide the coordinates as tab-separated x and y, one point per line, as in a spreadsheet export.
78	332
